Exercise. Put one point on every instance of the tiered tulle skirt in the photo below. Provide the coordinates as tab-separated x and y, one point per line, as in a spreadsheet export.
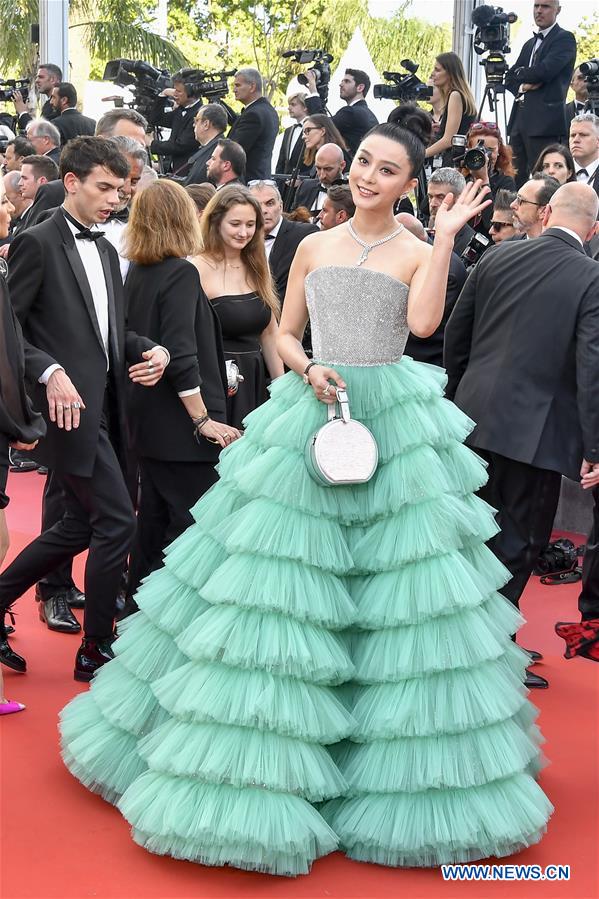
319	668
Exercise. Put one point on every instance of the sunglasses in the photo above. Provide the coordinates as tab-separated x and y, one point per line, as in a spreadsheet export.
487	126
268	181
312	128
500	225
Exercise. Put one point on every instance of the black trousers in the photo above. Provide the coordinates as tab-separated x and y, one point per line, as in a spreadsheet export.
527	150
588	601
97	515
52	509
168	491
526	500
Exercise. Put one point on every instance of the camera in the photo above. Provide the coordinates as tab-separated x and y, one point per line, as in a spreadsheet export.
477	157
493	35
561	555
476	247
10	85
145	81
321	68
406	85
590	72
210	85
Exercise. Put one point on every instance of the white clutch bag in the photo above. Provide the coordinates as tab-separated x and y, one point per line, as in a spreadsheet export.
343	451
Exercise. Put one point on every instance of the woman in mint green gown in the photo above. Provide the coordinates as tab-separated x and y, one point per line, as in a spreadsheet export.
318	668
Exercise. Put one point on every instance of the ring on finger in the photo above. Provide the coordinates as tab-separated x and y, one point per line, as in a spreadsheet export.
75	405
150	364
327	390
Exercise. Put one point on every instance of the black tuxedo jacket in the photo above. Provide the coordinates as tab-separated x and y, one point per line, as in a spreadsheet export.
54	153
307	193
166	302
48	112
71	123
430	349
182	142
48	196
542	111
256	130
197	173
352	121
288	160
594	182
53	302
571	111
281	256
522	353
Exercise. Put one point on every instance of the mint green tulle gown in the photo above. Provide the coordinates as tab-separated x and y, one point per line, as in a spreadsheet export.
325	668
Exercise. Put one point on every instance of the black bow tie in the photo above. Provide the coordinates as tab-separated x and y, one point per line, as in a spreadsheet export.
121	216
83	233
270	237
582	172
538	36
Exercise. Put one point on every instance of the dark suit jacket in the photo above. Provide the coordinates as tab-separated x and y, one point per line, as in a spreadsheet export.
522	353
48	196
197	173
256	130
430	349
571	111
71	123
288	160
462	239
53	302
48	112
166	302
542	111
182	142
307	193
594	182
352	121
54	153
281	256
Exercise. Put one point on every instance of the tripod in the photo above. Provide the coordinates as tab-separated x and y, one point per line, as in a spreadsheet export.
493	92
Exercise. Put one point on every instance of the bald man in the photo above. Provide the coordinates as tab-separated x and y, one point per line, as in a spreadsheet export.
329	165
522	356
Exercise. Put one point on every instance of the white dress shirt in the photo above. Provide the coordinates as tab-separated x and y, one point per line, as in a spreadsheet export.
268	244
590	169
114	232
538	41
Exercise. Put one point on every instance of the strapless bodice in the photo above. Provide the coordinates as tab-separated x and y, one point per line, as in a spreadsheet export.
357	316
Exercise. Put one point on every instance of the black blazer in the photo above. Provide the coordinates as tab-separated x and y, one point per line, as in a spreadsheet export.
197	173
53	302
571	111
54	153
430	349
542	111
48	196
288	160
522	353
166	302
71	123
352	121
256	130
281	256
182	142
307	193
48	112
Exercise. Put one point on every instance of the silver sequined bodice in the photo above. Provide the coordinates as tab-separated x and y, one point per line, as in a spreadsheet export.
357	316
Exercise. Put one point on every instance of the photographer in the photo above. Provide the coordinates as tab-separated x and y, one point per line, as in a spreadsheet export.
181	143
257	127
581	95
353	120
540	80
48	76
209	127
459	113
497	170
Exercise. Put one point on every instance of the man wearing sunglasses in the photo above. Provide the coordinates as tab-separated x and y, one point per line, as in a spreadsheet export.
501	226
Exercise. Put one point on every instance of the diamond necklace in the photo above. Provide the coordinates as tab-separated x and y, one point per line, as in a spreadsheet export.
367	247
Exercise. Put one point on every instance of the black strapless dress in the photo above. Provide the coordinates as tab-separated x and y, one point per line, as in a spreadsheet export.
243	317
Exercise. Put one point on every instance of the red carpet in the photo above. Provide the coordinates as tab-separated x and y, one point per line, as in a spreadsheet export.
58	840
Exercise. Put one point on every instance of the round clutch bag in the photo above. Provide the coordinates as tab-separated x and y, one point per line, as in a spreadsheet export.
343	451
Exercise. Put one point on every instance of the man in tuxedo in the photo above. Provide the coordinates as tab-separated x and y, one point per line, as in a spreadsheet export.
16	151
70	122
584	146
181	142
540	80
353	120
522	358
209	127
530	206
48	75
35	172
581	95
45	137
292	145
338	207
257	127
442	182
67	292
227	163
281	237
329	163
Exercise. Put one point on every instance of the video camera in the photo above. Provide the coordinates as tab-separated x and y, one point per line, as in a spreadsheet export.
10	85
321	68
590	72
406	85
199	83
493	34
146	81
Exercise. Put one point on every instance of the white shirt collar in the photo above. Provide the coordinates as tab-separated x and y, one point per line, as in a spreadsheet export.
276	228
546	31
354	101
591	168
570	232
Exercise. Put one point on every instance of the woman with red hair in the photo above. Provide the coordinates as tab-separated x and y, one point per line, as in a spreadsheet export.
499	171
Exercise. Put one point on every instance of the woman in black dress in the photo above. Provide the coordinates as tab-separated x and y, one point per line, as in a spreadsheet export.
179	426
459	104
236	279
20	426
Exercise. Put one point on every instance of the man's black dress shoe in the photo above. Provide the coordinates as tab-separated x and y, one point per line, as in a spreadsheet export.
75	598
535	681
8	656
21	461
91	655
129	607
57	614
534	655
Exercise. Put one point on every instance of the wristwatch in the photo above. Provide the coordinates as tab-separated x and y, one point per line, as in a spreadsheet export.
306	370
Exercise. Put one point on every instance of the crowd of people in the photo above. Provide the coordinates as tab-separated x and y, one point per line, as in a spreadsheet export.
144	322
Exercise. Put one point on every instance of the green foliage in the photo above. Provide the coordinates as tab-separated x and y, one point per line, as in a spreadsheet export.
587	38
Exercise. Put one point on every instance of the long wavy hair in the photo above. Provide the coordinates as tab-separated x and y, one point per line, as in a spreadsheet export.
452	64
253	255
332	135
505	155
163	223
